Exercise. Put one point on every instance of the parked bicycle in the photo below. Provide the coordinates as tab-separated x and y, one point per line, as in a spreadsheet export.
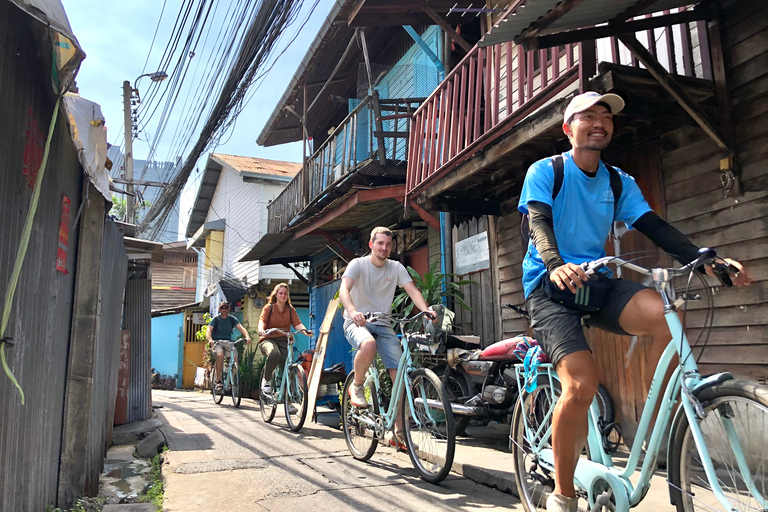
423	402
718	445
230	381
292	391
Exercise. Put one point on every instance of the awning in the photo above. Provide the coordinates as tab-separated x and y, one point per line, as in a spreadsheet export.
544	17
198	239
350	213
278	248
230	289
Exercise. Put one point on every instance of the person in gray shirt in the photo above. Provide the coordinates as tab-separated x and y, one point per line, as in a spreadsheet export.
368	285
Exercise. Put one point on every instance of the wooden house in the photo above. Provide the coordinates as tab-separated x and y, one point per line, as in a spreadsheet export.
693	134
351	101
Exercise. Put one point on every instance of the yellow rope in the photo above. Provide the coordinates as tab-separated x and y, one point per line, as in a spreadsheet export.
23	245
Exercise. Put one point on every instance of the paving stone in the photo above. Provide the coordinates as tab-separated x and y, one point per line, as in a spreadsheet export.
131	433
151	445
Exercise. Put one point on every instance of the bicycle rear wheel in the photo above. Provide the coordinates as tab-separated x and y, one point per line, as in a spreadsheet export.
737	414
218	396
359	433
295	399
534	482
237	390
268	403
430	433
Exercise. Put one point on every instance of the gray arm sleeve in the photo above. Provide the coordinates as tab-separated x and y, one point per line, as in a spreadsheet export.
543	234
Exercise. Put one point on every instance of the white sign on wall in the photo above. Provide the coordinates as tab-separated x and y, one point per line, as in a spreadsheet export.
197	318
472	254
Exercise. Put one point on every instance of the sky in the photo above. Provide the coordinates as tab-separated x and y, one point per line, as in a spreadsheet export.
117	37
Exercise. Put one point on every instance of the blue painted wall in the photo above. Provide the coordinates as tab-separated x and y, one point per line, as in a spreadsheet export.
168	344
303	342
338	348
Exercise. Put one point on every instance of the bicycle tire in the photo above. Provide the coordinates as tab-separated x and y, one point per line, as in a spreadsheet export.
360	437
218	396
533	491
431	446
296	397
237	389
605	402
268	404
747	402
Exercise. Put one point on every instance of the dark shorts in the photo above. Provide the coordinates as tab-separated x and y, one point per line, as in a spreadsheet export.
559	330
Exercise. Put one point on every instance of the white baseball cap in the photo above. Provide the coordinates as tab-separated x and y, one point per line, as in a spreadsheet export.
584	101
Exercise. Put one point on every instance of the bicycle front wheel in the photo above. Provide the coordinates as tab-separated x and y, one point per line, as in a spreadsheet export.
268	403
534	482
218	395
358	423
295	399
430	432
237	390
735	433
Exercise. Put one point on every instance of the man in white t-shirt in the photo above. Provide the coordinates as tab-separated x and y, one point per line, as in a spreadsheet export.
368	285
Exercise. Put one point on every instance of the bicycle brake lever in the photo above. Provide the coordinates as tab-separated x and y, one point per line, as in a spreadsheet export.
723	273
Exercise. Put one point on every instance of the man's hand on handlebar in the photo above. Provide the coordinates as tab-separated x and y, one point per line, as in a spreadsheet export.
728	268
358	318
569	276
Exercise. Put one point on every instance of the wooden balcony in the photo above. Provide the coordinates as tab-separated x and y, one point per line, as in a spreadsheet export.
494	88
371	144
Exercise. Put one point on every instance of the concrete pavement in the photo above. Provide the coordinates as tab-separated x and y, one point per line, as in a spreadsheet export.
205	439
222	458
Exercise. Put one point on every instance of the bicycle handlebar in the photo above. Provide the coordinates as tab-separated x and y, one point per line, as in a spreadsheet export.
401	319
288	333
707	256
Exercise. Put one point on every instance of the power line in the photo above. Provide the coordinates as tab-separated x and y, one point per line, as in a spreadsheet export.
265	28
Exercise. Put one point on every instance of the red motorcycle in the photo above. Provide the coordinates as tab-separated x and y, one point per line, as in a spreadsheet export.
482	383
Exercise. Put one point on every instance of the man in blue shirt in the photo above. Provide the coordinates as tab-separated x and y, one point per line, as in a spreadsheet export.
571	227
220	329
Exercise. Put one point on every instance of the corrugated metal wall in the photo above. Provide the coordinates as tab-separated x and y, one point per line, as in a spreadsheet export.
30	435
138	296
114	265
41	316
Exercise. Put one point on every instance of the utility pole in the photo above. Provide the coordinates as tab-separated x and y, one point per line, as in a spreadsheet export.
130	201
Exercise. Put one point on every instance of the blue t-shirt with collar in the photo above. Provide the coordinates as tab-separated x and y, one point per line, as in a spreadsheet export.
582	212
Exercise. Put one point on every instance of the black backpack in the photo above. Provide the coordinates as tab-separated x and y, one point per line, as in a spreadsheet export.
559	167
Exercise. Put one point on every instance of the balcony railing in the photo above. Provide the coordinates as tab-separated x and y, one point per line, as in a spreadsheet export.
494	88
354	142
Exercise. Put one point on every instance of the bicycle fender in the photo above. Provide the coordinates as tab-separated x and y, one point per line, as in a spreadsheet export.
705	384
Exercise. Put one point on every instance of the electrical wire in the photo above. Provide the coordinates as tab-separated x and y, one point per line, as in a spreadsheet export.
264	30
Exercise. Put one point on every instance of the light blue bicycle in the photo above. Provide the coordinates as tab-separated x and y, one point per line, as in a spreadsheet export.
430	436
718	445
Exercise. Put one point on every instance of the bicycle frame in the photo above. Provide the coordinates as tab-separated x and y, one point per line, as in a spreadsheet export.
400	384
283	387
685	381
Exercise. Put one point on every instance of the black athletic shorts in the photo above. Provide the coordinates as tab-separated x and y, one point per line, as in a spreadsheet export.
559	330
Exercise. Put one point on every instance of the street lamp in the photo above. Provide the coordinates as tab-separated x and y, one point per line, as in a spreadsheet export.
130	201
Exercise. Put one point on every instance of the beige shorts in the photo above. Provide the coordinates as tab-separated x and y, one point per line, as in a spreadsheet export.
224	347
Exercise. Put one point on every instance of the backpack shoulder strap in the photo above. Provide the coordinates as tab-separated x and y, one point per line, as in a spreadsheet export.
559	167
616	187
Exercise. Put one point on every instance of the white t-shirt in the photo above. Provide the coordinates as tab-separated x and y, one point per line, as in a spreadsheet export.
375	287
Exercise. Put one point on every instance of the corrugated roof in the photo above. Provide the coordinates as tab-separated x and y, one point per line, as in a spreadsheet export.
586	14
282	171
259	165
